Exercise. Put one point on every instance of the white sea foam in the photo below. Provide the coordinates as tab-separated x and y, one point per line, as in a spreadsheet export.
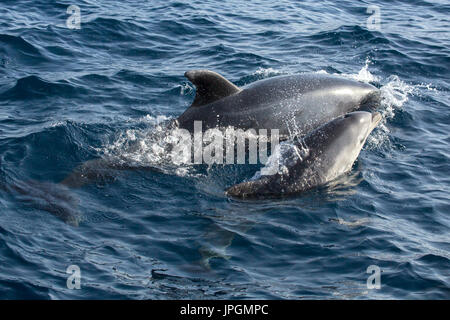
147	147
363	75
268	72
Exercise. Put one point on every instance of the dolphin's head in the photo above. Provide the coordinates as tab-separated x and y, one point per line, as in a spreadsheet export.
333	148
356	96
370	98
342	140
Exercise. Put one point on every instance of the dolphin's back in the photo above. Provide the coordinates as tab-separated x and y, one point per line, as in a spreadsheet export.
291	103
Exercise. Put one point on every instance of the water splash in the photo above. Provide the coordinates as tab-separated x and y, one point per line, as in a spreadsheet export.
267	72
149	147
394	95
363	75
283	157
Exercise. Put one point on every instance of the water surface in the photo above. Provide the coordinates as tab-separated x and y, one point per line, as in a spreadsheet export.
68	96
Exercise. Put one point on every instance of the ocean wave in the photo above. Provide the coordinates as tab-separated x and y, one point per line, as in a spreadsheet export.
34	87
347	33
16	48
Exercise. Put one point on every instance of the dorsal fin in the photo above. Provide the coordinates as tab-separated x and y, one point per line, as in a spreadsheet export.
210	85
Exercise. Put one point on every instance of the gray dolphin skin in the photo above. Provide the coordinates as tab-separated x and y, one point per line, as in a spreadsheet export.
292	103
320	157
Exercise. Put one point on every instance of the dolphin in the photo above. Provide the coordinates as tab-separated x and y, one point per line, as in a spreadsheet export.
291	103
320	157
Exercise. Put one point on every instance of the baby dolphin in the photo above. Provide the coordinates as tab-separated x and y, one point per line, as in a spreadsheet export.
318	158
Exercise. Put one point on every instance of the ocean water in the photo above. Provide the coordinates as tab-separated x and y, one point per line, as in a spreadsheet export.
164	231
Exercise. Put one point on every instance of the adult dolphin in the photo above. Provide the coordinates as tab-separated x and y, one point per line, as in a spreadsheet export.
320	157
292	103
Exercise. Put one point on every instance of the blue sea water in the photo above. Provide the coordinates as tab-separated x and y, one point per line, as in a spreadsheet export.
163	231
